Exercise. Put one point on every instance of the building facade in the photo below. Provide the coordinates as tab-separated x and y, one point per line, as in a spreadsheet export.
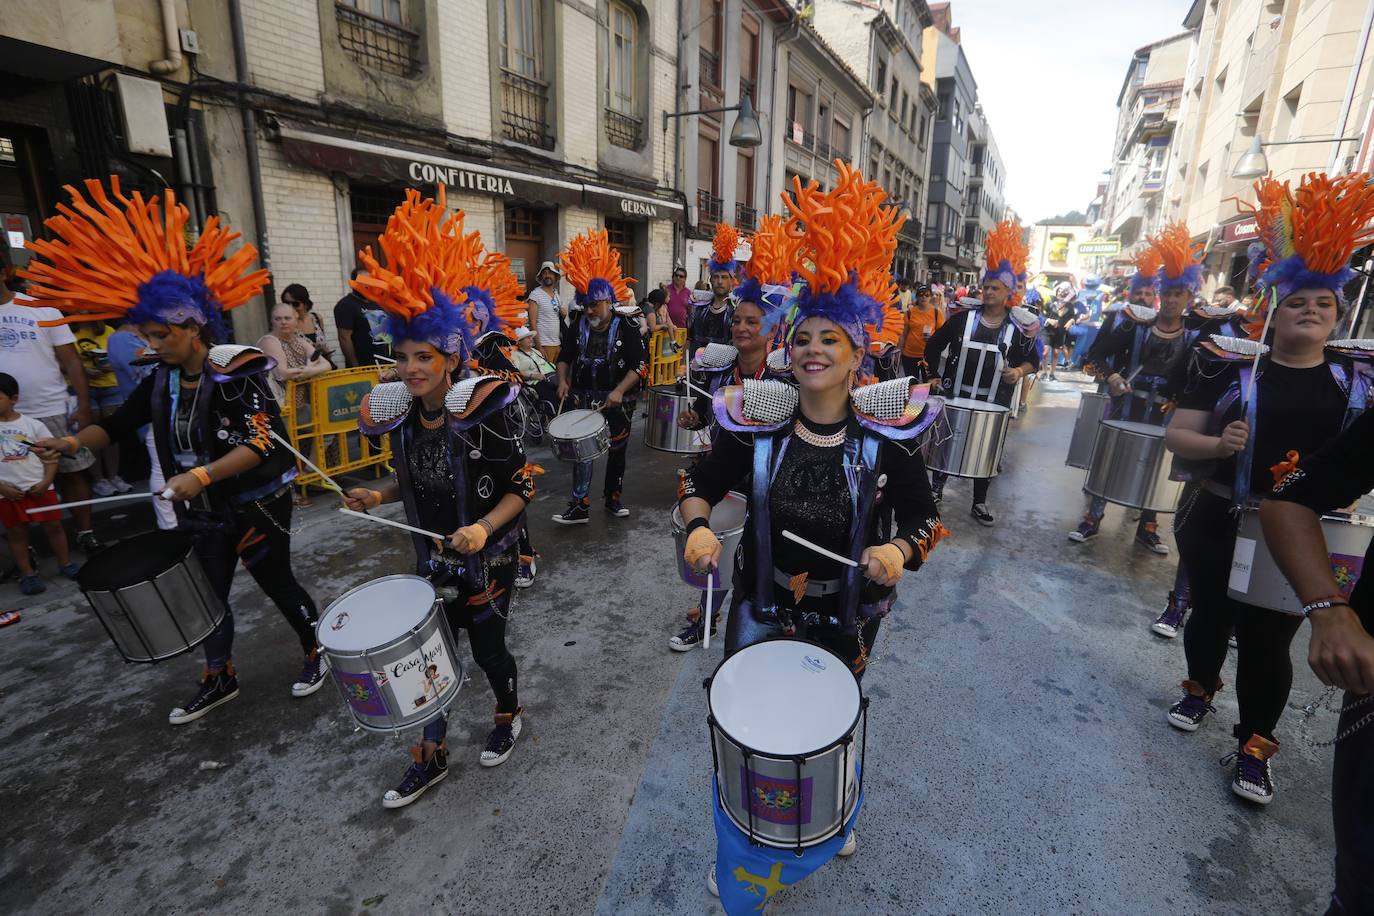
949	257
345	104
985	198
883	42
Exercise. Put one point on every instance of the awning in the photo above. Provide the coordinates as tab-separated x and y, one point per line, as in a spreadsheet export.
366	160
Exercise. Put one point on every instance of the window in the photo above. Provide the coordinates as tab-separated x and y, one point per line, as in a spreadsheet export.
1221	79
799	113
710	35
708	168
823	126
839	139
921	134
748	56
373	33
1202	175
881	81
892	95
623	125
942	107
906	103
1288	113
524	91
746	217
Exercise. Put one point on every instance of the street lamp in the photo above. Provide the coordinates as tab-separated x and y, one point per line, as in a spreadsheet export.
745	134
1254	164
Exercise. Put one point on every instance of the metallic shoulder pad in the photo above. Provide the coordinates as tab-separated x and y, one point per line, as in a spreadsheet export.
384	408
1355	348
755	406
1026	321
1141	314
231	361
898	409
1234	348
474	399
778	361
715	356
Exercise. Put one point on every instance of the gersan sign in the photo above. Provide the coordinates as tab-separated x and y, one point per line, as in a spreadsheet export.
638	208
428	173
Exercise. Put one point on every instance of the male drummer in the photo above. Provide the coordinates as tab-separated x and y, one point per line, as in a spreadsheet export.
1137	359
710	322
986	353
600	362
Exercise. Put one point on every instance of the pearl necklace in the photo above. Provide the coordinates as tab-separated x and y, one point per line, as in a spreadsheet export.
816	439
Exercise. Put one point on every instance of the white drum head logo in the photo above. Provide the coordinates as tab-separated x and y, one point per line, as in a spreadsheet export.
339	621
813	663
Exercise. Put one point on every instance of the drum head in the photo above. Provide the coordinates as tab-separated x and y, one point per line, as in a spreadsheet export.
576	424
375	613
140	558
1139	429
726	515
784	697
971	404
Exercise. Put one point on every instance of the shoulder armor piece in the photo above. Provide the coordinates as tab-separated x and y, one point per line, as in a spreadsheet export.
715	356
1026	321
778	361
476	398
756	406
1234	348
384	408
1356	347
897	409
231	361
1141	314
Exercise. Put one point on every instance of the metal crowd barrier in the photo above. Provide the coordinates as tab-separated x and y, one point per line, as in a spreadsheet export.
321	417
666	367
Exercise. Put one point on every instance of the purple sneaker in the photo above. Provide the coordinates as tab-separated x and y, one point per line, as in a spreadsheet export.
1171	621
1086	530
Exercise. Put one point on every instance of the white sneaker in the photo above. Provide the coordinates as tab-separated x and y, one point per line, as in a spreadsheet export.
711	881
103	487
119	484
851	845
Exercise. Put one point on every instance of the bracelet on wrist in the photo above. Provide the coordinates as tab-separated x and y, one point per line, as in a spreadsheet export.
486	526
1322	604
696	523
202	474
75	444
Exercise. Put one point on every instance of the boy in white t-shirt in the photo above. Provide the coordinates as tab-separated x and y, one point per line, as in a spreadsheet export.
26	483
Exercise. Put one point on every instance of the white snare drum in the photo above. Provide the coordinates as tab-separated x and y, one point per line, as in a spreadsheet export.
1256	579
727	521
151	595
968	439
1092	410
391	653
1129	467
783	718
579	435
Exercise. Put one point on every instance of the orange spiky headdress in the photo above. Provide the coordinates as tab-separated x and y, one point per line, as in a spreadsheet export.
439	285
592	266
129	257
1180	259
723	247
770	268
846	255
1005	255
1147	263
1309	236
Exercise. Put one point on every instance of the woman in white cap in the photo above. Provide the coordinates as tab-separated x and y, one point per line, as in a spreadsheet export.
546	313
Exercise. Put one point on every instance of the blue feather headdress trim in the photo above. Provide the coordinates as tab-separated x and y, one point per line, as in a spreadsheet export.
597	288
1190	279
1141	281
1291	274
169	297
444	326
1005	274
730	266
481	308
772	299
848	308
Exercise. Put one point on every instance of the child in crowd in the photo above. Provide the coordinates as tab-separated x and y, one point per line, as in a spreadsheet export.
26	483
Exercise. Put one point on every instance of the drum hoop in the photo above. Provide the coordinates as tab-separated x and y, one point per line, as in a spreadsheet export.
350	653
846	738
676	514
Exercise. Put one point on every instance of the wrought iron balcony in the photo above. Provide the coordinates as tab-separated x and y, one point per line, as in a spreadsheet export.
624	130
709	63
525	110
746	217
378	43
708	207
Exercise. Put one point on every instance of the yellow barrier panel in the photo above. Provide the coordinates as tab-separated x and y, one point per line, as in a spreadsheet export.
321	416
665	368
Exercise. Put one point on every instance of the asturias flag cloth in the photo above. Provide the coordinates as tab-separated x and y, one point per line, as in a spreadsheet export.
749	876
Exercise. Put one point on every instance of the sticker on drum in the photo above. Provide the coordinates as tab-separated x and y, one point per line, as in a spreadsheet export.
1242	561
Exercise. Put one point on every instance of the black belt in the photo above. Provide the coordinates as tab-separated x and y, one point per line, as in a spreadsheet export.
815	588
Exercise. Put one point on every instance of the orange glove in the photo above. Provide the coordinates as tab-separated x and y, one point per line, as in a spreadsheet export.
701	543
891	561
469	538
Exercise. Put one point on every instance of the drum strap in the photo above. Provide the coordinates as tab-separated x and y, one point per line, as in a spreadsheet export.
983	349
764	467
401	441
861	461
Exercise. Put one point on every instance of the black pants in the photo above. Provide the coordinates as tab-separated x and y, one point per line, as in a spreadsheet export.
618	423
980	486
1352	813
483	613
747	626
915	367
258	536
1264	670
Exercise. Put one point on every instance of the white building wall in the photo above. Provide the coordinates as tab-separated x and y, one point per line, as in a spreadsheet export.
466	101
282	41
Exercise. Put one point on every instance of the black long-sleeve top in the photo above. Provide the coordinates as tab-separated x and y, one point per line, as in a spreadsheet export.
948	340
607	356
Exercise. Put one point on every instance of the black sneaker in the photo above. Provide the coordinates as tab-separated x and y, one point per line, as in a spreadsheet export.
1253	780
524	576
419	776
1171	621
577	513
501	741
88	543
691	635
981	513
312	675
1187	714
615	507
214	690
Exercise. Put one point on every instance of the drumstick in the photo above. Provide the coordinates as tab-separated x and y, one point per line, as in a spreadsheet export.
819	549
89	502
1259	351
442	539
706	621
329	481
691	387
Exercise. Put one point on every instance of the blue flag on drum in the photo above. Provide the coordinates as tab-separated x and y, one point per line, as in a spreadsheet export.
749	876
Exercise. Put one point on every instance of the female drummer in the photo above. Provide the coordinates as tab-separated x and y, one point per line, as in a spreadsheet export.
458	466
829	453
984	338
1302	396
211	410
763	298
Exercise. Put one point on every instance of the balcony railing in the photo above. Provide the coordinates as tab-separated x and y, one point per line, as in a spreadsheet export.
377	43
624	130
746	217
708	207
710	70
525	110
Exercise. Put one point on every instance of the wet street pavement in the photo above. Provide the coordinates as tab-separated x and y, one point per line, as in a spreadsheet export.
1018	757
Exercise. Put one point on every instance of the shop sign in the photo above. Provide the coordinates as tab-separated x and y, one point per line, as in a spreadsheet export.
1240	231
1100	246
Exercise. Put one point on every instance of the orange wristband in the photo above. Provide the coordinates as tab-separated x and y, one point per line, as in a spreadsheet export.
201	474
76	443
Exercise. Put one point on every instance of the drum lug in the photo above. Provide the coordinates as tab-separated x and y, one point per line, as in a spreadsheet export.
706	683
